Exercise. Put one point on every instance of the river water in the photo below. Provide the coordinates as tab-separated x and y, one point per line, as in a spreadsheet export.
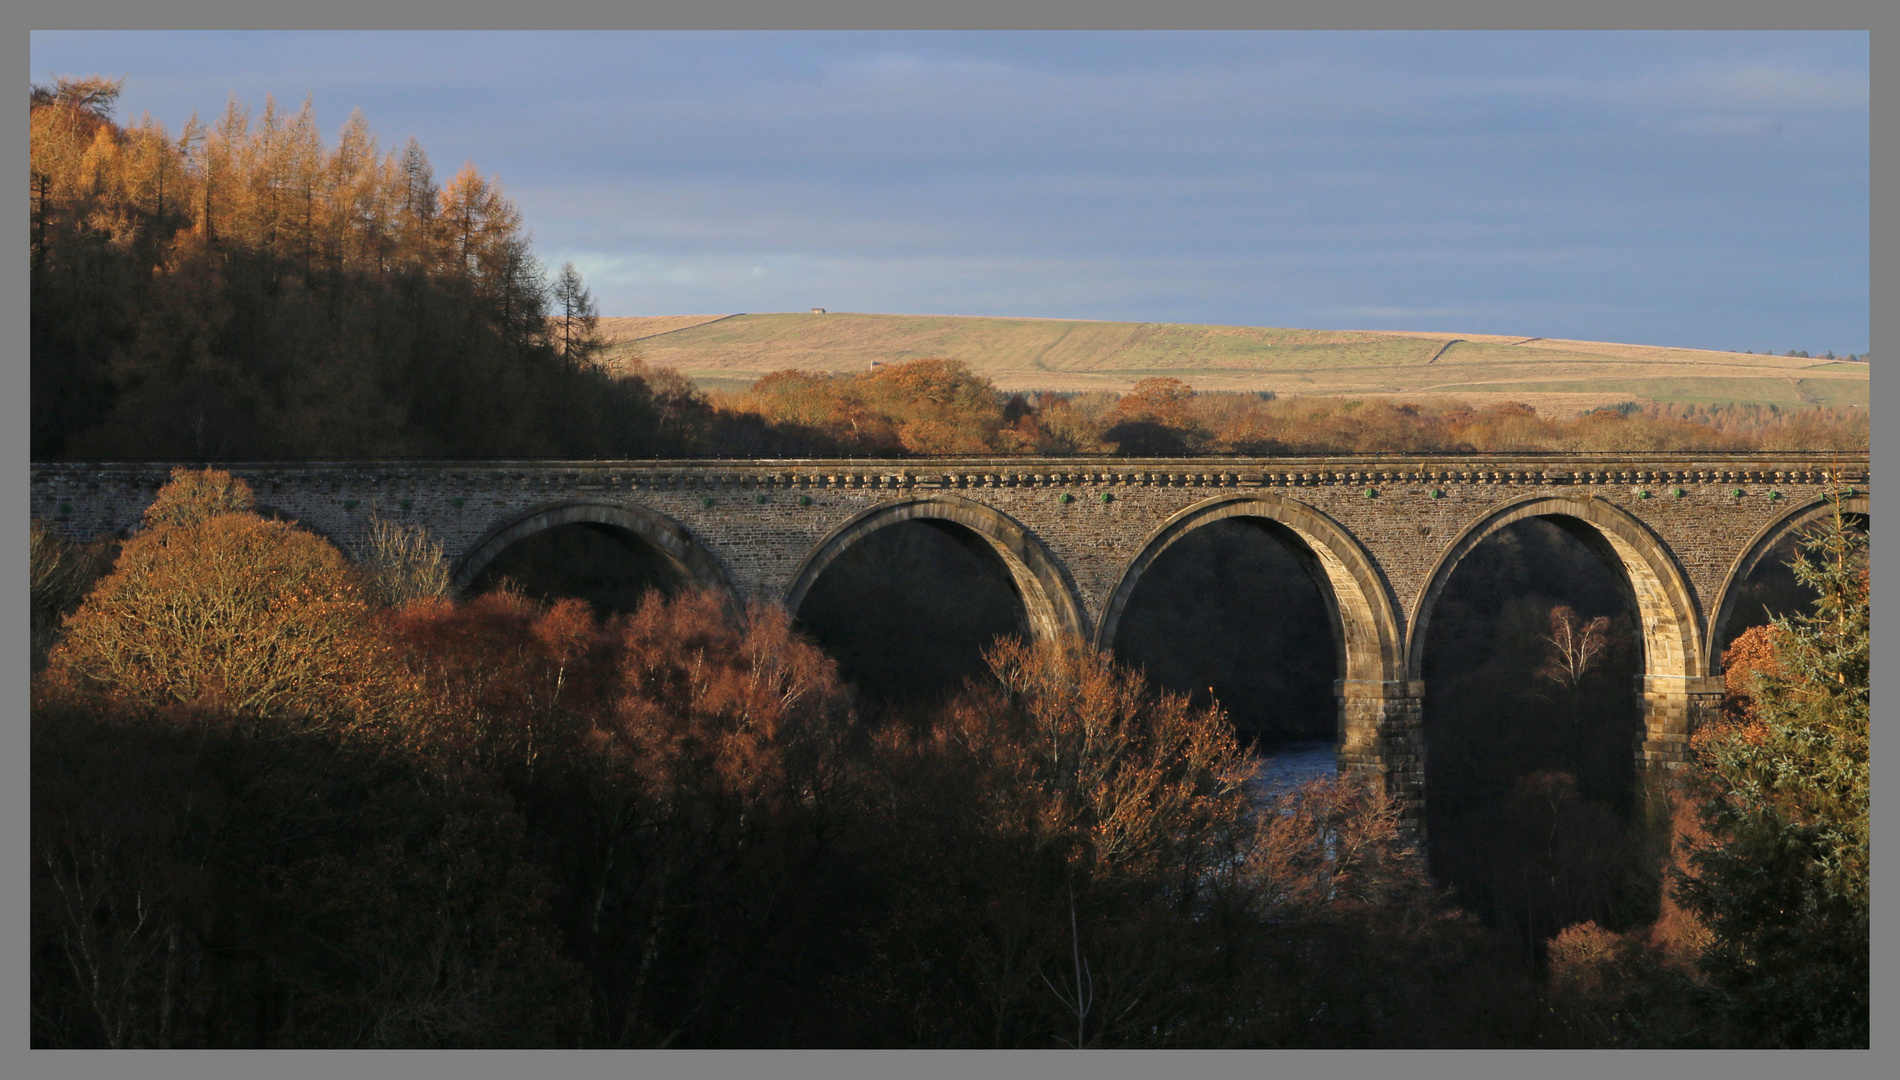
1289	765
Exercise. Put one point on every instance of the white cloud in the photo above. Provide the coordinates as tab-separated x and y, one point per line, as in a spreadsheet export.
1757	86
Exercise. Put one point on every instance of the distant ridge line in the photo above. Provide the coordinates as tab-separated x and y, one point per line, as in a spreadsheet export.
1022	353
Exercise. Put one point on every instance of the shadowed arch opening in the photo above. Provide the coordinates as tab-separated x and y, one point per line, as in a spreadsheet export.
1357	600
1531	639
1320	584
1760	586
907	594
1240	610
609	554
1670	626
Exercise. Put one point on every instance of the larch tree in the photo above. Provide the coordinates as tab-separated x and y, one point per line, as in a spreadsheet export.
577	320
416	198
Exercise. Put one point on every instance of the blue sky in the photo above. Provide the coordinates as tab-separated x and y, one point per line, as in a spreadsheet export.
1704	190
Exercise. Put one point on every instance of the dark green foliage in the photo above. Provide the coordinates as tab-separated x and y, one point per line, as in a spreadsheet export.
1783	881
1773	591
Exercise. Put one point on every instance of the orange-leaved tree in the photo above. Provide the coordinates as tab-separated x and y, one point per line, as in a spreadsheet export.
211	604
1050	844
1071	857
939	406
239	837
1097	759
676	768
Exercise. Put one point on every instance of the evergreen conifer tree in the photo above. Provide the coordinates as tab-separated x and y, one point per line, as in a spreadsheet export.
1782	883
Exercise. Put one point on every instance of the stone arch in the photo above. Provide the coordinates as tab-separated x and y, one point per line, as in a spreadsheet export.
1049	601
1369	640
683	554
1755	551
1671	626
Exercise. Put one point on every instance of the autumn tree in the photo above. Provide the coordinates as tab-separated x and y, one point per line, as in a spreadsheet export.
212	604
1038	844
242	833
1154	420
268	811
676	768
63	573
1763	940
1576	646
1069	858
402	563
1350	943
245	290
912	407
937	406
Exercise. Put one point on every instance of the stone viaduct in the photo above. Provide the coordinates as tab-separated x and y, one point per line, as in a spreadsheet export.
1382	535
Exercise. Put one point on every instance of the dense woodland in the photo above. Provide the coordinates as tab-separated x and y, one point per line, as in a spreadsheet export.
281	797
243	290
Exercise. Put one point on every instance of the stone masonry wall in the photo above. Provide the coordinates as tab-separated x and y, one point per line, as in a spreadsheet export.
759	519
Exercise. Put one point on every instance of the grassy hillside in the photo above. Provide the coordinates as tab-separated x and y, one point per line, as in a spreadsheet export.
1059	354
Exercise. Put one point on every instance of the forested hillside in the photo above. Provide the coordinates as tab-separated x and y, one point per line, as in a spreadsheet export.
243	289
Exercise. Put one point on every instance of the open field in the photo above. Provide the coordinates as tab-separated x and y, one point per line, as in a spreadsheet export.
634	328
1556	376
